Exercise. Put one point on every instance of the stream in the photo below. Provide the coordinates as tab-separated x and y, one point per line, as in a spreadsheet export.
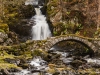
62	63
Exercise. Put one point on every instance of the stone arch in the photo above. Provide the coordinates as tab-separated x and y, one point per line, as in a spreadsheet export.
54	40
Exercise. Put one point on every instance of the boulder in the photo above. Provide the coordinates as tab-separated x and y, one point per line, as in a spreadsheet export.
5	72
3	37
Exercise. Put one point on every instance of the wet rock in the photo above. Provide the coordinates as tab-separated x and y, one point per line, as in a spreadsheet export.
14	70
56	56
51	71
56	73
4	72
53	56
14	37
48	58
24	66
33	71
23	63
12	61
3	37
77	63
8	39
1	40
8	42
51	65
67	60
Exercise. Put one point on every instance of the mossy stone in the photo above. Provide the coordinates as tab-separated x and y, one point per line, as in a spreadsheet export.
4	27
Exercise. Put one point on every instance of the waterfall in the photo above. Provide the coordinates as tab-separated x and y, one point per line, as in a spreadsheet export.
35	2
31	2
40	30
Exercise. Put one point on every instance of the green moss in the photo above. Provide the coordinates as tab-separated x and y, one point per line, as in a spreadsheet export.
36	53
39	52
8	66
4	55
3	63
51	7
4	27
2	31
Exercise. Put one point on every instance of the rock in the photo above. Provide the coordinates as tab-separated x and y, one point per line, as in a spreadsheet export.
24	66
60	69
4	40
23	63
67	60
76	63
56	73
13	38
3	37
8	42
51	65
1	40
5	72
23	29
51	71
57	17
14	70
12	61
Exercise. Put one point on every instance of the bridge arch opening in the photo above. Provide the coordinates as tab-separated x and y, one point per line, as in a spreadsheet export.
73	46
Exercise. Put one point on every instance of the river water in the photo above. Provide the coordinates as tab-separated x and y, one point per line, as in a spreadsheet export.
70	65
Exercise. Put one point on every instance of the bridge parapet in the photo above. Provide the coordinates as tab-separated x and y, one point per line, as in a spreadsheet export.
92	43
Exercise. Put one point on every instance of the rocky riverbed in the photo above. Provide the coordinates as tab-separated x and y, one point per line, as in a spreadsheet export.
65	58
54	63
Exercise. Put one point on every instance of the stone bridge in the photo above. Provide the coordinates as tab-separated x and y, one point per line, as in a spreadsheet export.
92	43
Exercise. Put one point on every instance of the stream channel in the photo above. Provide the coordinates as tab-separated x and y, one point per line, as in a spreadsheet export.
64	58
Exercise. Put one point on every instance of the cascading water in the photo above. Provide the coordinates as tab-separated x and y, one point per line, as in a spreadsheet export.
40	30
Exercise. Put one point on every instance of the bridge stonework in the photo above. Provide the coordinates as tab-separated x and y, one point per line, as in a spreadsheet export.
92	43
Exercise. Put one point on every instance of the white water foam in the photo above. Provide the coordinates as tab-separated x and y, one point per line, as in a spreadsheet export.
31	2
40	30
